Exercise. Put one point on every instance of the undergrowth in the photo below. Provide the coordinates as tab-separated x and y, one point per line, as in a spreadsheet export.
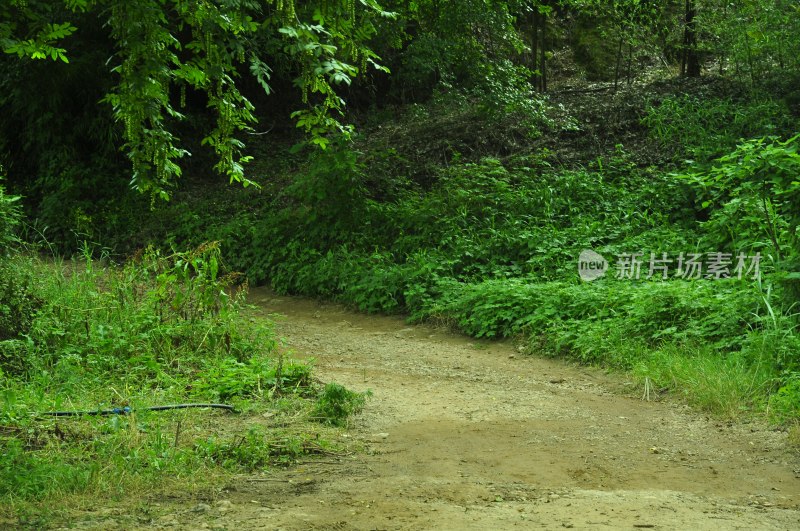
161	329
490	245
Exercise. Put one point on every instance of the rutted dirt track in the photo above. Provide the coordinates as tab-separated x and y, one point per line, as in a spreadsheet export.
467	435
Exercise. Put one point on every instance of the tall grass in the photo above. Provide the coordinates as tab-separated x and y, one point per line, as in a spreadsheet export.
161	329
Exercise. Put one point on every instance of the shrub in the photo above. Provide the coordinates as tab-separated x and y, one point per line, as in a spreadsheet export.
785	404
10	214
336	404
18	304
708	127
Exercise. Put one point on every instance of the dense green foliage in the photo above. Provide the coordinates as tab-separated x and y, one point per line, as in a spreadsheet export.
9	218
444	160
161	47
166	81
491	247
159	330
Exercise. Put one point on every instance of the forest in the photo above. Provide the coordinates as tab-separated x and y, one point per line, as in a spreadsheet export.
613	184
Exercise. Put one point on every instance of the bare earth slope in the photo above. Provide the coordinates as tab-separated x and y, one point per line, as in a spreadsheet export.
468	435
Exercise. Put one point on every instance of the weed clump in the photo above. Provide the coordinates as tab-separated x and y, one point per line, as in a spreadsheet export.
336	404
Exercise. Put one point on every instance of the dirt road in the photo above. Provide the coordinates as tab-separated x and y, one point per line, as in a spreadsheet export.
469	435
461	434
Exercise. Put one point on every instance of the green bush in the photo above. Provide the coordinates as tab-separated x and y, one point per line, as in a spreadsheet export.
336	404
162	329
785	404
10	214
651	311
25	474
156	318
592	52
18	306
726	384
704	128
753	193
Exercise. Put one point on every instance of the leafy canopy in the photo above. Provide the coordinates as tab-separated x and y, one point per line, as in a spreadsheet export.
164	47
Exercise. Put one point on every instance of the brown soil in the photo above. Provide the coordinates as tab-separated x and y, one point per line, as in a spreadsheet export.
462	434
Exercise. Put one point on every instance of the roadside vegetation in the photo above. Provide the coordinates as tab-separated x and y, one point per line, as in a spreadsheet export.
448	161
87	335
491	248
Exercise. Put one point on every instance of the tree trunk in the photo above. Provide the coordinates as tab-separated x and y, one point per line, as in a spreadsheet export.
619	60
750	64
690	62
543	56
535	46
630	64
